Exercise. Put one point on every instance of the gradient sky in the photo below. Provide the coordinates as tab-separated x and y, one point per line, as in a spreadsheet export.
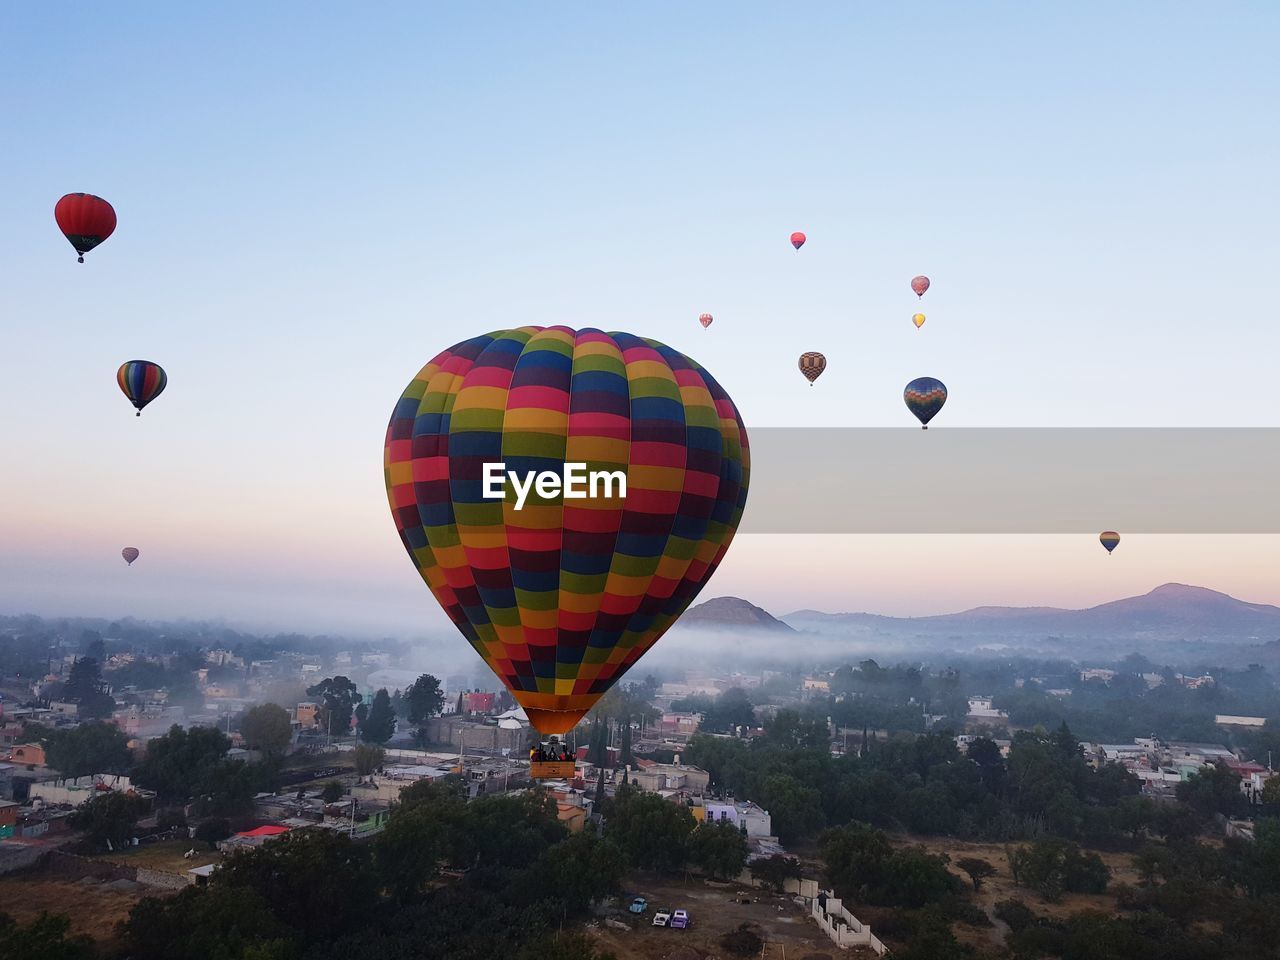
314	200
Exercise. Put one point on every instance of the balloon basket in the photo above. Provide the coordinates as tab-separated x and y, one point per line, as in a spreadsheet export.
553	769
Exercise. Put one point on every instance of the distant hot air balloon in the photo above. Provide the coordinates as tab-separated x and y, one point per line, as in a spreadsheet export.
811	365
797	239
562	596
1109	539
924	397
918	320
85	220
141	381
130	554
705	320
919	285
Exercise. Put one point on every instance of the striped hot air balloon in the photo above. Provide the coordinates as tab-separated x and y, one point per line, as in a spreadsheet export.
85	220
1109	539
562	595
130	554
924	397
811	365
141	381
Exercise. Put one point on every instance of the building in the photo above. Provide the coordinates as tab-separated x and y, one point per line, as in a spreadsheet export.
77	790
8	819
482	703
1097	673
1226	720
475	736
306	713
752	819
982	710
29	755
664	777
251	838
144	723
816	685
679	724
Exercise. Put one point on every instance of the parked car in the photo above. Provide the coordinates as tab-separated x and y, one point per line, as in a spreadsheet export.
661	917
639	905
679	920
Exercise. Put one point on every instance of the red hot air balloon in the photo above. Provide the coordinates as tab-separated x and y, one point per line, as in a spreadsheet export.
85	220
919	285
130	554
705	320
798	239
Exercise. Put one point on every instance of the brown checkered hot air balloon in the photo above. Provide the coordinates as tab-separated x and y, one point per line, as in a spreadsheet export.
811	365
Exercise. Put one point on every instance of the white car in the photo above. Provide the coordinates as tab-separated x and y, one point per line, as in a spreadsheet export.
661	917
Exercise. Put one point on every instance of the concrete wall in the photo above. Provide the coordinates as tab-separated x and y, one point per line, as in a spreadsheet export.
842	927
163	880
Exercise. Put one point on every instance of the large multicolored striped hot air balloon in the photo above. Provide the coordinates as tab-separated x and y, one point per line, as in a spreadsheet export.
811	365
561	594
141	381
919	285
130	554
85	220
798	239
1109	539
705	320
924	397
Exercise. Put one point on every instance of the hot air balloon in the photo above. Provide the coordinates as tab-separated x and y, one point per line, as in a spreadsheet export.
1109	539
811	365
141	381
130	554
797	239
924	397
705	320
919	285
918	320
561	596
85	220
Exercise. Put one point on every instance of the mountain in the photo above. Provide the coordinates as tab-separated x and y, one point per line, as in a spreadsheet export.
1173	611
732	612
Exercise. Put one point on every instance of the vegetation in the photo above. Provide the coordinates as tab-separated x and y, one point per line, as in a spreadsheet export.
267	727
380	722
109	817
46	937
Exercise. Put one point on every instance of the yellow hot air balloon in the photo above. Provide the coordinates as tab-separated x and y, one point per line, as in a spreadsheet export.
918	320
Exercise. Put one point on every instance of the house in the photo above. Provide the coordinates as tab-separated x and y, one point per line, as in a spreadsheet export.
749	817
77	790
478	702
982	710
306	712
251	838
679	723
1226	720
1097	673
30	755
8	819
816	685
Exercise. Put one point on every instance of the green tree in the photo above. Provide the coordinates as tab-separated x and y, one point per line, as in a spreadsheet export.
788	729
47	937
177	764
85	689
380	724
87	749
796	809
1213	789
317	882
212	830
109	817
424	698
1271	790
774	871
731	709
652	832
720	849
267	727
217	923
332	791
977	869
368	758
337	697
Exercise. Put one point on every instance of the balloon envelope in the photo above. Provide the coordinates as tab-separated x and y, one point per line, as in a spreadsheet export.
85	220
130	554
1109	539
924	397
705	320
797	239
919	285
811	365
562	596
141	381
918	320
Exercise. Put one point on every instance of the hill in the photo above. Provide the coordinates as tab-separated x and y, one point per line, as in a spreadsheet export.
734	612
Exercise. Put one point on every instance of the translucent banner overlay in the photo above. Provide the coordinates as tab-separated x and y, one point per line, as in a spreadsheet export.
958	480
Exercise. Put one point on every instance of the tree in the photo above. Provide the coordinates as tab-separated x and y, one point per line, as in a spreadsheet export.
1054	866
177	765
109	817
380	724
317	882
331	792
652	832
977	869
212	830
44	938
87	749
796	809
788	729
720	849
337	696
368	758
775	871
214	923
85	689
424	699
1212	789
1271	790
267	727
731	709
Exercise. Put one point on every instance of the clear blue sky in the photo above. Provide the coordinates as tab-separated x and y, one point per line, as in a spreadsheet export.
314	199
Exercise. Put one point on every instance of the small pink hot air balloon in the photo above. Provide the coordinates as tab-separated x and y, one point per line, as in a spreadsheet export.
919	285
705	320
798	239
130	554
